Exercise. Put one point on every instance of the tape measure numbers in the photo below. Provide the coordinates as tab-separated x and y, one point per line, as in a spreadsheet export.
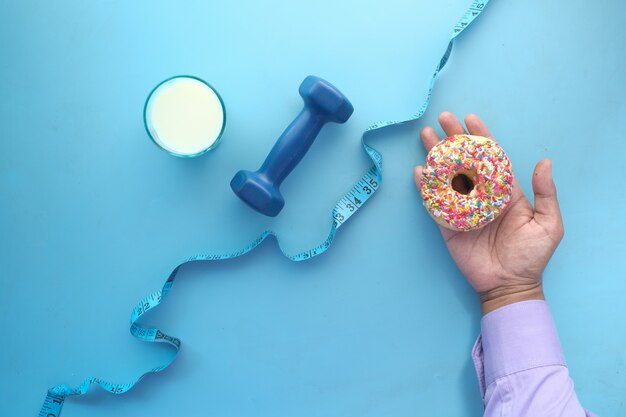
347	206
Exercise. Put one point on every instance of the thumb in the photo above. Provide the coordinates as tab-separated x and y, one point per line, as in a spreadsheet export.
417	176
547	211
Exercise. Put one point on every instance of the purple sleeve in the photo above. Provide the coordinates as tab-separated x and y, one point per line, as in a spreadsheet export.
520	365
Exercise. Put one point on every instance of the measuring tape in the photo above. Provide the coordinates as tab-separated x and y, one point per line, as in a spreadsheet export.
349	204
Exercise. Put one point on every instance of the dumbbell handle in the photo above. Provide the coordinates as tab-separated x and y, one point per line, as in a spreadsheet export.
291	146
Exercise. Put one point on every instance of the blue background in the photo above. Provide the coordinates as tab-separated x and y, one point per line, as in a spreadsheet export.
93	216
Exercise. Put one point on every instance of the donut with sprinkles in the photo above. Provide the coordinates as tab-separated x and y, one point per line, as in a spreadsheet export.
467	182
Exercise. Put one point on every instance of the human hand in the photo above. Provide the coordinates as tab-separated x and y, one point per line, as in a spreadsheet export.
504	260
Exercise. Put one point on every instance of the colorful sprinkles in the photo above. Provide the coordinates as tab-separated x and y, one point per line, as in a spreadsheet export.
484	163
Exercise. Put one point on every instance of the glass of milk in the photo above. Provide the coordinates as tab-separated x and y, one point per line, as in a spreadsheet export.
185	116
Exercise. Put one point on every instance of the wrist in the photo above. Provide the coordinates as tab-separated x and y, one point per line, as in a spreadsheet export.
503	296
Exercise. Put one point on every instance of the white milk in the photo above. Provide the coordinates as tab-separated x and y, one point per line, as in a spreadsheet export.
184	116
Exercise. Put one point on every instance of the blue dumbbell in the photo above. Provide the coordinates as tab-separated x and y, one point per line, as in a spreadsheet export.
322	103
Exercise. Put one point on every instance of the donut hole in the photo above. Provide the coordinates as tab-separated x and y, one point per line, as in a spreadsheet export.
462	183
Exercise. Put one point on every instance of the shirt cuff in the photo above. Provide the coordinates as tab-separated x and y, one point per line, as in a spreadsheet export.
518	337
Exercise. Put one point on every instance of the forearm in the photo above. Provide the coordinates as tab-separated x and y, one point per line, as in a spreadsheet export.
520	364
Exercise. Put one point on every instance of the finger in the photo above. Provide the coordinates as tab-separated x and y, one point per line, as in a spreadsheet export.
418	173
476	126
547	212
417	176
519	203
517	192
451	124
429	138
